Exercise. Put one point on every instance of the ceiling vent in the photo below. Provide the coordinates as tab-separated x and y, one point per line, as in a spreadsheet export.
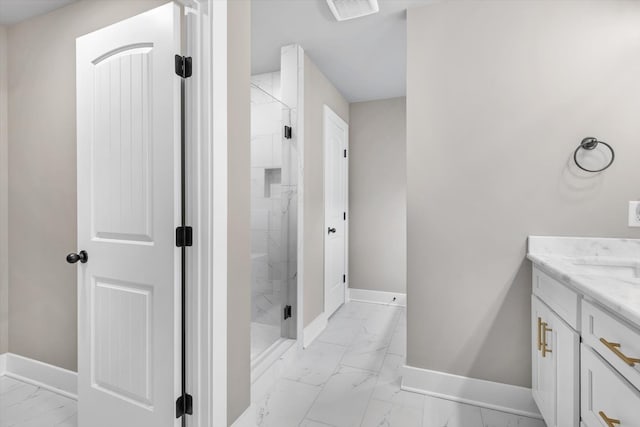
350	9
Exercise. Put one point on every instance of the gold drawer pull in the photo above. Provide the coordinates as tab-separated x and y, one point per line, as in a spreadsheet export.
615	348
539	333
610	421
545	349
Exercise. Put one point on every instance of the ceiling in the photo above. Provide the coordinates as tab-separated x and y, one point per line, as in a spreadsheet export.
365	58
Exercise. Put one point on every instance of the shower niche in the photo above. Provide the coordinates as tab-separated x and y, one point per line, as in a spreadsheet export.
273	218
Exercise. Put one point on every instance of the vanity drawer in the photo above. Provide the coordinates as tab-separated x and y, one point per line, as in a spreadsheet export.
560	298
606	398
617	342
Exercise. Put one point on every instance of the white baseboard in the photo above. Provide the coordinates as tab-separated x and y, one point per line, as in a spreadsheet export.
487	394
52	378
3	364
378	297
271	367
314	329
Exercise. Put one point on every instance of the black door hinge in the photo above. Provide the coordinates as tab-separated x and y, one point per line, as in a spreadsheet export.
345	154
184	236
184	405
287	132
183	66
344	278
345	216
287	312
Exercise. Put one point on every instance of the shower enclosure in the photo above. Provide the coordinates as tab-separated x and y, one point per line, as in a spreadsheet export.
273	217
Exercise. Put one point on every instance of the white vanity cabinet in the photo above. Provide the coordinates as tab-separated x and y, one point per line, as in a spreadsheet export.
585	359
555	366
607	399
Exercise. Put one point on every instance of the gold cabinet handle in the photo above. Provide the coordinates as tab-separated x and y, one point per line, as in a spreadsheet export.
611	422
615	348
545	349
539	333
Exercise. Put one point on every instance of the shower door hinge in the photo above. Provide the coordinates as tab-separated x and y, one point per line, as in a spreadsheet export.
183	66
287	132
344	278
345	154
184	237
344	216
287	312
184	405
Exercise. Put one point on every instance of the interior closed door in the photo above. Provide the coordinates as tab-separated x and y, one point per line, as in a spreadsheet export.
128	115
336	136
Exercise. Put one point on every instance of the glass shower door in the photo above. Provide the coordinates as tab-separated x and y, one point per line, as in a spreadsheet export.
271	195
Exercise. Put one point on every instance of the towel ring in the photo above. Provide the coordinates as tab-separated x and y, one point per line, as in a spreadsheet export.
590	143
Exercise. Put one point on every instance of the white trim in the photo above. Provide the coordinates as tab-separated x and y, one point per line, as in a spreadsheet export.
3	364
217	206
487	394
314	329
49	377
378	297
262	382
204	378
265	361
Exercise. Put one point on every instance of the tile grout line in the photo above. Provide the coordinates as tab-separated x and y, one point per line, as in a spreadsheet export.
338	366
335	370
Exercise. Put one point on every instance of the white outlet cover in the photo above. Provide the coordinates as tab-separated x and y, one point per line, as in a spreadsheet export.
634	214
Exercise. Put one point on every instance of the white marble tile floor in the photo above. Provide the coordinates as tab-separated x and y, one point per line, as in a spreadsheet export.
350	377
26	405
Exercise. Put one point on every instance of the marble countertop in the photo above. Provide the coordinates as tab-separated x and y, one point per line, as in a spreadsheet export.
604	270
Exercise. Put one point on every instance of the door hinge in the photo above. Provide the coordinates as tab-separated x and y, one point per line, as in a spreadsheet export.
345	154
184	236
344	278
183	66
287	312
345	216
287	132
184	405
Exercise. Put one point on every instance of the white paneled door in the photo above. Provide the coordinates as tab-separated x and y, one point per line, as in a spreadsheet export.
336	140
128	115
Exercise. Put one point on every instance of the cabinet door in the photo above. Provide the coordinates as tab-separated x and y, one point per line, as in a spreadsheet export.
607	398
555	367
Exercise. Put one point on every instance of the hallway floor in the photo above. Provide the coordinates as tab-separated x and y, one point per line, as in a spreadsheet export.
26	405
350	376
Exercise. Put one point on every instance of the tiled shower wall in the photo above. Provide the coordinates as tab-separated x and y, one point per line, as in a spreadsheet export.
273	195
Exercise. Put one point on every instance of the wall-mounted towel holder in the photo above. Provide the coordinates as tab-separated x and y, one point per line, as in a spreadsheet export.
590	143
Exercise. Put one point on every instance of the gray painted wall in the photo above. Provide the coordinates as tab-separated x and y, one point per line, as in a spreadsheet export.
377	195
499	95
42	175
318	91
4	213
239	208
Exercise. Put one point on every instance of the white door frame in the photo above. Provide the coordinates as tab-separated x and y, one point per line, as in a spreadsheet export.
206	42
326	110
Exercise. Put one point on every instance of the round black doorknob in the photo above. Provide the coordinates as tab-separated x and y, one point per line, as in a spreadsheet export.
83	257
332	230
